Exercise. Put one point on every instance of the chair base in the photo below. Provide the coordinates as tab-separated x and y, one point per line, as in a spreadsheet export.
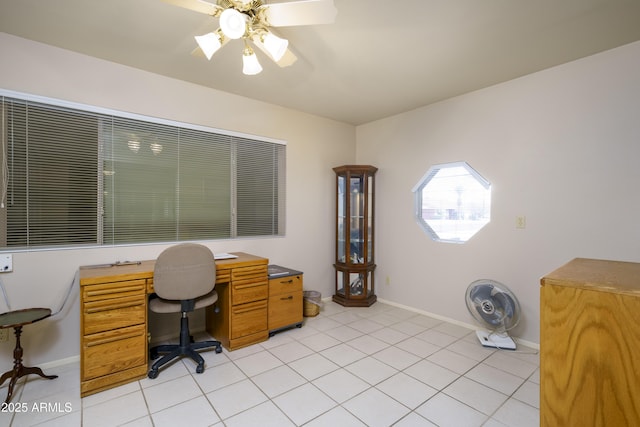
185	348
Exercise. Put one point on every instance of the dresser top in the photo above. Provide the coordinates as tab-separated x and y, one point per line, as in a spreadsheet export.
595	274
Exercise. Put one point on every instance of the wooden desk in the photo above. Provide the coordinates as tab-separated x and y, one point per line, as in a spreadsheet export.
113	316
589	344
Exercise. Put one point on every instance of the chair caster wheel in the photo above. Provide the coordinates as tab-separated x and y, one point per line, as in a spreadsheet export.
200	369
153	374
218	349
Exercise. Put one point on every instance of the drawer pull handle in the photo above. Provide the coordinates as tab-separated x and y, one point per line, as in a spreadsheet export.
246	310
284	282
249	270
112	307
113	339
249	285
290	297
96	293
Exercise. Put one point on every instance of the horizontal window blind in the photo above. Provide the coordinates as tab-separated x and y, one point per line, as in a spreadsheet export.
259	195
75	178
50	192
205	182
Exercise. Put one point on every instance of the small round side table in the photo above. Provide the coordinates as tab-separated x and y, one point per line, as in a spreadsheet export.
16	320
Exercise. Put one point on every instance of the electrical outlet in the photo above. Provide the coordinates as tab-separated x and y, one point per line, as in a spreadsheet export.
387	281
6	263
4	335
521	222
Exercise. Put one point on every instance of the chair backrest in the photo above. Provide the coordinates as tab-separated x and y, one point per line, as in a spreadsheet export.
184	271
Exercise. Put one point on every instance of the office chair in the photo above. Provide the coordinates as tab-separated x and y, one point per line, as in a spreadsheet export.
183	279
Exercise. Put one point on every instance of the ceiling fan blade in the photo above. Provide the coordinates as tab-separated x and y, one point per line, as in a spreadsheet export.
198	52
289	58
197	6
302	12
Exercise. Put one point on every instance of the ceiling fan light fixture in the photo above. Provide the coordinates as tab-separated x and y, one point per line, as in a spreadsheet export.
233	23
251	21
275	45
209	43
250	64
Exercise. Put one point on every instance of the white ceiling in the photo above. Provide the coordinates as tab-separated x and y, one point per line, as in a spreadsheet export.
378	59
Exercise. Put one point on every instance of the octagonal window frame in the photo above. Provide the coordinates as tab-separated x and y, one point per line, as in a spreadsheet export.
462	221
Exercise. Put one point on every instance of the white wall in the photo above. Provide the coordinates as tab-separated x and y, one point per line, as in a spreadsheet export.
314	146
560	146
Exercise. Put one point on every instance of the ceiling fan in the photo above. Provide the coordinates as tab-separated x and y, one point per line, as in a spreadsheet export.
252	21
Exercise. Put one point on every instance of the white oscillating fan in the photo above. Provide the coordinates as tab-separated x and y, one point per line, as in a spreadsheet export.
492	304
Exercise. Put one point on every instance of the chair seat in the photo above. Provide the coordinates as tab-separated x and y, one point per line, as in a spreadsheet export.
159	305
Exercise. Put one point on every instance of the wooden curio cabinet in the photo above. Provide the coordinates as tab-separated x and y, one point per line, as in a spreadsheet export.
354	236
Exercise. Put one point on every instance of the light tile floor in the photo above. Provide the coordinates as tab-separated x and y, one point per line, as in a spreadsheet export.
376	366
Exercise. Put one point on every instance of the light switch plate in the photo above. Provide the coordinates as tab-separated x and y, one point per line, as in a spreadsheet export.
6	263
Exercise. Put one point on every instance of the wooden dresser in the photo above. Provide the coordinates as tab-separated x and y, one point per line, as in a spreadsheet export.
590	344
113	316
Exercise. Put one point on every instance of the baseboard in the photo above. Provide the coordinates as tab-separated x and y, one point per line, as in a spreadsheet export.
470	326
59	362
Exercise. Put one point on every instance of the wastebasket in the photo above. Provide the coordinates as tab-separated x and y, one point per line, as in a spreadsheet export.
311	303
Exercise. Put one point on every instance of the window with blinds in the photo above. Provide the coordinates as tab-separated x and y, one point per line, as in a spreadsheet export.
72	177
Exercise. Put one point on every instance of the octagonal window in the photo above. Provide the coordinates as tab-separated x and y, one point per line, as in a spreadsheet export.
452	202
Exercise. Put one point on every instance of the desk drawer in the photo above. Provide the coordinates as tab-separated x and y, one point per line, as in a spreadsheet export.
287	284
223	275
105	291
114	313
247	319
253	272
113	351
249	291
285	309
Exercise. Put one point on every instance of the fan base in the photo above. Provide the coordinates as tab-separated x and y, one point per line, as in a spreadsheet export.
489	339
